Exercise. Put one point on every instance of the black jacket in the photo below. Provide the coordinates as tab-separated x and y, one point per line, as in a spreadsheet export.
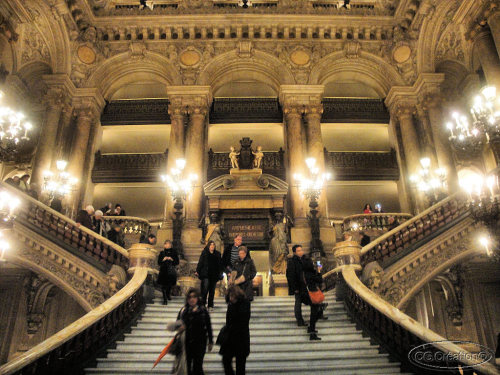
246	267
209	265
198	327
226	256
84	219
168	274
312	276
116	237
294	276
237	329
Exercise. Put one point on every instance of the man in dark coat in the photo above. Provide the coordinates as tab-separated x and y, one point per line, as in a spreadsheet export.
167	278
296	284
300	270
209	271
84	217
231	254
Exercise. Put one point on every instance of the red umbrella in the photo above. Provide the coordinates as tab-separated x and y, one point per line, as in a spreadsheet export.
163	352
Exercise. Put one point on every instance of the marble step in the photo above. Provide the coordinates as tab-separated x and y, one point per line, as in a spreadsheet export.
216	325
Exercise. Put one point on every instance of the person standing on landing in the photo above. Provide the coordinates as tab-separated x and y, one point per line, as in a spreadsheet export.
231	254
167	278
209	271
244	272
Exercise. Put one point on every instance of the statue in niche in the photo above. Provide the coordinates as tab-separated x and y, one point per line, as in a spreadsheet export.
258	155
278	249
246	155
233	156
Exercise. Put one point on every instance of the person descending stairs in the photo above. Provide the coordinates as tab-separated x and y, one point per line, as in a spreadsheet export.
278	346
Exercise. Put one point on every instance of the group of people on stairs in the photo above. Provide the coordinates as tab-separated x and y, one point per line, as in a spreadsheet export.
193	321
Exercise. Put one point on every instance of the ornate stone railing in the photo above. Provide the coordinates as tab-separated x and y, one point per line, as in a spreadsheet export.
398	334
345	110
245	110
65	232
130	224
363	165
393	245
67	351
129	167
136	112
272	163
380	222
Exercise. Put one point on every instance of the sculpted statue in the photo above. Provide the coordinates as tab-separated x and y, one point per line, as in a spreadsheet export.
233	156
278	250
258	155
214	234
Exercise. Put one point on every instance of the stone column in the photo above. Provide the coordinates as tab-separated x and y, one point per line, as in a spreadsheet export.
45	151
494	24
88	106
175	151
195	156
488	57
433	104
296	157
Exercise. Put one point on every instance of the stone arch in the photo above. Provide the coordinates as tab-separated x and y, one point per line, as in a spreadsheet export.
31	75
367	68
7	55
121	70
261	67
454	74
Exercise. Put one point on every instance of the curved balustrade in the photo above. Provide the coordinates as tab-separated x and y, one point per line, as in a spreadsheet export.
131	224
421	227
74	345
41	218
362	222
398	333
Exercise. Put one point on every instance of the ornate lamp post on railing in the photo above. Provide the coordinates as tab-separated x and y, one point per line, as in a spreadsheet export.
431	183
58	184
179	186
14	130
311	186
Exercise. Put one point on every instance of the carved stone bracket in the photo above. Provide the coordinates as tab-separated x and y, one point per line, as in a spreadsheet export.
452	284
38	290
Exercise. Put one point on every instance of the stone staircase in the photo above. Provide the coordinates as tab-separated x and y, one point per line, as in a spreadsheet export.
278	346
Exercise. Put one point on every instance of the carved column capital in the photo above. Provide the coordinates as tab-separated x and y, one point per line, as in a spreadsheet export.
88	103
177	111
293	111
200	111
54	97
312	111
403	110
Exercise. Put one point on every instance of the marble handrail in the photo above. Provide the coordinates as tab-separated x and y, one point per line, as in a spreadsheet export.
414	229
372	221
394	328
44	218
136	225
72	342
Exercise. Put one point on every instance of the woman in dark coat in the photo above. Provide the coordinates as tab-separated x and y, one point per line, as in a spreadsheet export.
313	280
236	341
243	272
209	271
167	260
198	328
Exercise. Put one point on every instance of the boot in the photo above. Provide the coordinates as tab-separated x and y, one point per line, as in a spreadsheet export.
314	337
301	323
165	296
310	330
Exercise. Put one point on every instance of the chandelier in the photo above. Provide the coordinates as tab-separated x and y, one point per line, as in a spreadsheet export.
8	207
14	131
59	183
469	135
431	183
312	184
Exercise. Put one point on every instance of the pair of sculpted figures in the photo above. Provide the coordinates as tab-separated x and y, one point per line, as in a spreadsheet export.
258	155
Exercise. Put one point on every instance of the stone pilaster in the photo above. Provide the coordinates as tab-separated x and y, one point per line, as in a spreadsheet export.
484	48
58	88
494	24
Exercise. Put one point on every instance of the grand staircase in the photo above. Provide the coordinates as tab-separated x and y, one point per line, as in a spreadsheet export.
278	346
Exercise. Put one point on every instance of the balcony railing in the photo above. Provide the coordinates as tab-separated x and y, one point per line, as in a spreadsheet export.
363	165
272	163
129	167
379	222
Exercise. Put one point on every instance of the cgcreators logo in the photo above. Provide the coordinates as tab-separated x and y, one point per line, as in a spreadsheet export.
428	356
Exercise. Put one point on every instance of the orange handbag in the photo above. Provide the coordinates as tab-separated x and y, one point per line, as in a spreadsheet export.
317	296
